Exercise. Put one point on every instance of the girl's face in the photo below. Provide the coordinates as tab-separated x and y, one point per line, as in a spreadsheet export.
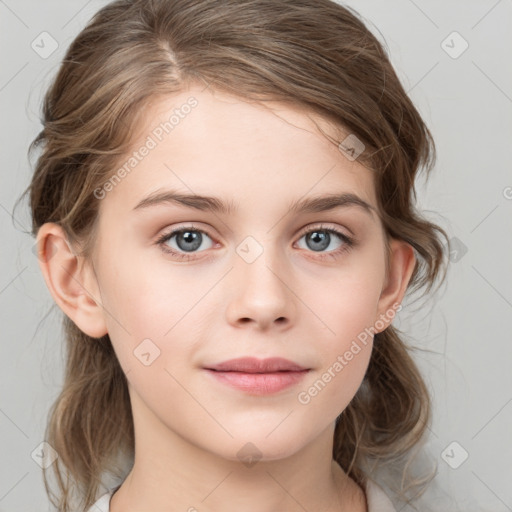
258	266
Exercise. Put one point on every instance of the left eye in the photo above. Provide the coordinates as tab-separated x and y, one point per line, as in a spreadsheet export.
319	239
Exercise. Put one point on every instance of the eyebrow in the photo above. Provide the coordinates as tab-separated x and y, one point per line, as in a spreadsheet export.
330	202
197	202
317	204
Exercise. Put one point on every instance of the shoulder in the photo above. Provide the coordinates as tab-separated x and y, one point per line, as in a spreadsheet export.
377	499
103	503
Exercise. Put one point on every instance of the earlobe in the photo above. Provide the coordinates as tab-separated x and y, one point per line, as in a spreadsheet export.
401	266
70	280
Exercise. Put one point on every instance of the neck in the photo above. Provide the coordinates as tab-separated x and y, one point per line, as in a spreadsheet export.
171	474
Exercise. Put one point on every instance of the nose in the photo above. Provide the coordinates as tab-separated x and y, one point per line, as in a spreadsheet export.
261	294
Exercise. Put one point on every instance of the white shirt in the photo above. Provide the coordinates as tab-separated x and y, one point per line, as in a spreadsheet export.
377	499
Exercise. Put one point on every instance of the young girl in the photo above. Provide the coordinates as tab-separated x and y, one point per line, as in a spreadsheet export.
258	369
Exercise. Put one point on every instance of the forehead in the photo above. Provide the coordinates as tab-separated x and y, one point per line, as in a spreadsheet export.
205	141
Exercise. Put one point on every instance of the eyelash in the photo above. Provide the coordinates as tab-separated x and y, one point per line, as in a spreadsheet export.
348	242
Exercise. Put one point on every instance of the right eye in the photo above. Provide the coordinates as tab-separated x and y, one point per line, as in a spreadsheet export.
186	241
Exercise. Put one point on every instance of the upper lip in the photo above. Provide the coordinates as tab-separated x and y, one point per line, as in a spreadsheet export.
254	365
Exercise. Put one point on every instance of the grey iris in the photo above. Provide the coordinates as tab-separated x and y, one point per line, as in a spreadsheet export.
319	237
189	237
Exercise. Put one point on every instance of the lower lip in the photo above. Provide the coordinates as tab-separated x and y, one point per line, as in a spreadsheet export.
259	383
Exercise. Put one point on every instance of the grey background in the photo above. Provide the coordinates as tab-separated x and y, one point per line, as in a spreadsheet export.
464	329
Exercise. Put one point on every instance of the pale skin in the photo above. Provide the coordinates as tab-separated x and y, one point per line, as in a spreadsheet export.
217	306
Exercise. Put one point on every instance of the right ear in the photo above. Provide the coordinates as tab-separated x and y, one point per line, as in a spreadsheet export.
71	280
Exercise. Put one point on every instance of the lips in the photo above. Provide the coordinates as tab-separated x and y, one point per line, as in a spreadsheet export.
254	365
258	376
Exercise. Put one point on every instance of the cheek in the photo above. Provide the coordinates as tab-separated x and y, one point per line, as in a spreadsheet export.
345	350
147	299
155	316
347	303
329	391
347	311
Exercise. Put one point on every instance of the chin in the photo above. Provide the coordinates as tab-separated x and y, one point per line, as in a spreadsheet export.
261	446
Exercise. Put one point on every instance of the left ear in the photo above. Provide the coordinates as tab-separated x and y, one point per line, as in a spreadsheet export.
401	266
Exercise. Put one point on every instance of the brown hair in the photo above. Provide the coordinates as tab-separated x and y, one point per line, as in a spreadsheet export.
312	54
